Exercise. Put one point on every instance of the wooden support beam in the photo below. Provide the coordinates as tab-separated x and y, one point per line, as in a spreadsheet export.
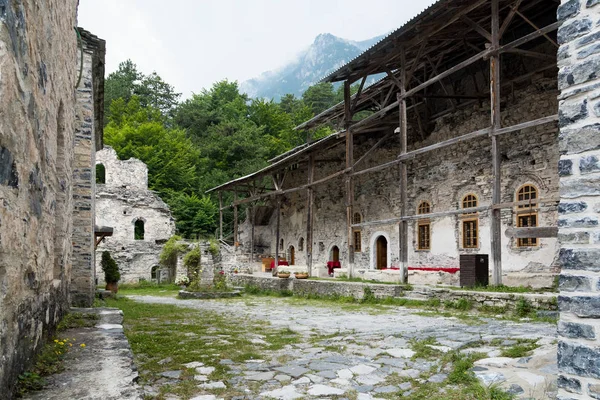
532	232
277	225
372	149
349	182
477	27
235	222
220	215
509	17
496	222
533	54
403	131
252	216
309	213
357	95
536	28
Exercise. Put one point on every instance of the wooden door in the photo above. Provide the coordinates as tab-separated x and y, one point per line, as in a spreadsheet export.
335	254
381	252
292	256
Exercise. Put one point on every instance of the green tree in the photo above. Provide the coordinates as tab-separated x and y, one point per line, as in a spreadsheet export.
110	268
320	97
194	216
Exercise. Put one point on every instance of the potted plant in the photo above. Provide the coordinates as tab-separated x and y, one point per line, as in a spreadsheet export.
301	275
283	274
111	272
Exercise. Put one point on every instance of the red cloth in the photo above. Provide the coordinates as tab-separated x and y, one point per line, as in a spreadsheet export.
449	270
281	262
331	265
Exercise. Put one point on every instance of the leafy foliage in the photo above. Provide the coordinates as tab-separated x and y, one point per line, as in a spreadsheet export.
216	135
110	268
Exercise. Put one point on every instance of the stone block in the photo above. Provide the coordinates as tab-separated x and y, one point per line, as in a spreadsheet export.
591	3
583	222
574	330
572	141
581	306
579	187
574	283
576	359
581	259
572	207
571	385
574	237
589	164
571	112
568	9
571	30
565	167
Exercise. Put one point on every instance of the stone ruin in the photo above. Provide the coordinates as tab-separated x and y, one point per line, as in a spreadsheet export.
141	221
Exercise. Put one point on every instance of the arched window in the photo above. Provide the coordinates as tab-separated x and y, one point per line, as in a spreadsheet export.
527	215
357	219
281	245
154	273
138	230
301	244
100	174
470	223
424	227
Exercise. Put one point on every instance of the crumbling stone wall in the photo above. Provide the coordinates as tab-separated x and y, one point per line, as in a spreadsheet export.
441	177
579	168
122	200
88	139
38	66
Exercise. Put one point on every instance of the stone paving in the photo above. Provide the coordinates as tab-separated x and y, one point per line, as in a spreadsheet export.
364	355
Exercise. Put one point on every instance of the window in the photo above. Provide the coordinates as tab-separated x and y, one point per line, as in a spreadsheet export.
100	174
357	219
154	273
138	230
301	244
357	241
470	223
281	245
424	227
527	213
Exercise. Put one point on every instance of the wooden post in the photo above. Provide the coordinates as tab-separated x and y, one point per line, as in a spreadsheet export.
349	179
235	222
252	213
309	213
496	236
278	210
220	215
403	227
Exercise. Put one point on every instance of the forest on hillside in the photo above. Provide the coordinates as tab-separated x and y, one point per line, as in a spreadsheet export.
193	145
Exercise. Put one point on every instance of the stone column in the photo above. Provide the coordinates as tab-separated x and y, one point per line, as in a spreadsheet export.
579	170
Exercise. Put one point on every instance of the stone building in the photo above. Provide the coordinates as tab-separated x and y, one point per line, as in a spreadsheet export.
49	102
467	171
141	221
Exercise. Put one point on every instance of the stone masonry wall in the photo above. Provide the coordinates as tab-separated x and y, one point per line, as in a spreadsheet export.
38	70
83	277
441	177
579	168
122	200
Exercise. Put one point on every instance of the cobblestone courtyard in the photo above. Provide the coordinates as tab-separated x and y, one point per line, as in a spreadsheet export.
300	349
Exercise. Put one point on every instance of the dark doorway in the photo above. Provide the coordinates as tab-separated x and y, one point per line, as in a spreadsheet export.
335	254
381	252
292	256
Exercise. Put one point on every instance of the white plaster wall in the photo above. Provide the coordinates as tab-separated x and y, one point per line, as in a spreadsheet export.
130	174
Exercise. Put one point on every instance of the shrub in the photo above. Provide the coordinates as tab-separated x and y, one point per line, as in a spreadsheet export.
110	268
191	261
523	307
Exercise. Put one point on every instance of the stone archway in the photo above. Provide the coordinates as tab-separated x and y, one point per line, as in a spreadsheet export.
380	253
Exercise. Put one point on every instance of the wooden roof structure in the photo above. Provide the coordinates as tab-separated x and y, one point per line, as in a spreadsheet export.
449	41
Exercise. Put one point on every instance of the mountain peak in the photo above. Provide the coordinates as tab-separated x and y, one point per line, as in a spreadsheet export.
327	53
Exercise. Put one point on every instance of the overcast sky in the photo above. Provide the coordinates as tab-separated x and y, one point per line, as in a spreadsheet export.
193	43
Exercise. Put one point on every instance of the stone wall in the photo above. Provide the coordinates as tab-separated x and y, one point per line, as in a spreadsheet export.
442	178
88	128
579	168
38	69
122	200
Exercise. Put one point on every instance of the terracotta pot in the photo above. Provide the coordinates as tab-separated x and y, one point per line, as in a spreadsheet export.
283	276
113	287
301	276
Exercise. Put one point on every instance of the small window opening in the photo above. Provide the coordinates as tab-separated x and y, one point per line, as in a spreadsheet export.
424	227
154	273
138	231
301	244
281	245
357	241
527	216
100	174
470	223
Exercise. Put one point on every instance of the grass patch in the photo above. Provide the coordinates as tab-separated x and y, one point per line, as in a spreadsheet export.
422	348
77	320
149	288
523	348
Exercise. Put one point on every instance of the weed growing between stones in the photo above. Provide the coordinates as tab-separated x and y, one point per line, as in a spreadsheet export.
522	348
77	320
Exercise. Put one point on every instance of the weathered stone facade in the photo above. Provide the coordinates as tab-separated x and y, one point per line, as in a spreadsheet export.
121	202
40	121
442	178
579	232
88	139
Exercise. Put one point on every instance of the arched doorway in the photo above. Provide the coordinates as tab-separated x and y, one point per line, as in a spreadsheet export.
381	252
334	254
292	255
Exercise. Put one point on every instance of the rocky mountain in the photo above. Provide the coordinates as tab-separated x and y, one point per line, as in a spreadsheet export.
325	55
